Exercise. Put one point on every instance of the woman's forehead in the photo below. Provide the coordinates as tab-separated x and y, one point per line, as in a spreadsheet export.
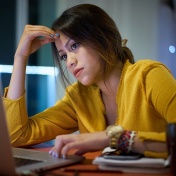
62	40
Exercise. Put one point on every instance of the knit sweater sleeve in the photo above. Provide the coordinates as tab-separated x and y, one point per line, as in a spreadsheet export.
160	88
162	95
44	126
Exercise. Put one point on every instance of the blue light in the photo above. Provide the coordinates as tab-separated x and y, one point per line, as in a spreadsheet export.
172	49
37	70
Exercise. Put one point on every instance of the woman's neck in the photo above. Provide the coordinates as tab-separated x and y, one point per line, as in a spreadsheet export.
109	85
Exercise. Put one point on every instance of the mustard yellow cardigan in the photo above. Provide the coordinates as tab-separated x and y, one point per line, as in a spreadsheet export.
146	100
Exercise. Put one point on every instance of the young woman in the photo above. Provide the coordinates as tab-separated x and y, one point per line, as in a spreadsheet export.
139	99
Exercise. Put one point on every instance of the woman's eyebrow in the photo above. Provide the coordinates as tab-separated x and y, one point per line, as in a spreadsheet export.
66	45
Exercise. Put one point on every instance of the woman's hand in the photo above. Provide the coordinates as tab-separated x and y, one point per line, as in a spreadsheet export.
82	143
33	38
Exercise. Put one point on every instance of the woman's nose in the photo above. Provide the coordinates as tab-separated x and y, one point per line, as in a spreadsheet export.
71	60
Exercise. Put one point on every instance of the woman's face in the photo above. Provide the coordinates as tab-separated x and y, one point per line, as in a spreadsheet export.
82	62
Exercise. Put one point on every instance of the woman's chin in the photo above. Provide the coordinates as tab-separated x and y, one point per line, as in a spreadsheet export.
85	82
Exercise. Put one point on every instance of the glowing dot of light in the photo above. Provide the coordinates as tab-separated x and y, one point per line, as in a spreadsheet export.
172	49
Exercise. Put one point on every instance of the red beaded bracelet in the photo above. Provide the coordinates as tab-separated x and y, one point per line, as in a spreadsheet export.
126	140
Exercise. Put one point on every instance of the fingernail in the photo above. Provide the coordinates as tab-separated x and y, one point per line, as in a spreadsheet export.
53	154
50	152
64	156
51	35
56	155
57	35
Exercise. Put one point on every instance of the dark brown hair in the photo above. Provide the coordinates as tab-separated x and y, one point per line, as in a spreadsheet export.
91	26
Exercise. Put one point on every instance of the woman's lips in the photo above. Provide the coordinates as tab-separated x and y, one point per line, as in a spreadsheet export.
77	72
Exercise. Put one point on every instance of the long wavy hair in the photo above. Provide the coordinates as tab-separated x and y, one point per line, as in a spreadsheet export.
92	27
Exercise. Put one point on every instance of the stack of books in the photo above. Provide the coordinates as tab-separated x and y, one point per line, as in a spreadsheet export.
131	164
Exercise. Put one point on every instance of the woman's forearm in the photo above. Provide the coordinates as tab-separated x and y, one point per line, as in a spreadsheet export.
153	146
17	82
29	43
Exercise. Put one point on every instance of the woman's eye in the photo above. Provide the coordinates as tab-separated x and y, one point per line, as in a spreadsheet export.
63	57
74	46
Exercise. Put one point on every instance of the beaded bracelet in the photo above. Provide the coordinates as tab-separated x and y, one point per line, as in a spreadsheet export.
126	140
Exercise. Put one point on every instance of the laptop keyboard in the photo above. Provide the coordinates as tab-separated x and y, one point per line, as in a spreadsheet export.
25	161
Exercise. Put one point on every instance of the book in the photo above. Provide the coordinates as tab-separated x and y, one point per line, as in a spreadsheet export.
139	165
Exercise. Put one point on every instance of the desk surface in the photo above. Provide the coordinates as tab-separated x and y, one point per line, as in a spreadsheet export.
85	168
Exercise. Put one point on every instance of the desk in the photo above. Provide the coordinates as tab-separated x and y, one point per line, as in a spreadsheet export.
85	168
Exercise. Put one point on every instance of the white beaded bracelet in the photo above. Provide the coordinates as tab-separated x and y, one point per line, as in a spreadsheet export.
131	140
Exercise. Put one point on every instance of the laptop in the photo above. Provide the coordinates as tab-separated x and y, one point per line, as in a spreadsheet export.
34	161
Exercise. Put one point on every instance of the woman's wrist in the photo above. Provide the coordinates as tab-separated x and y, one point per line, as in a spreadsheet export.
120	139
126	140
21	59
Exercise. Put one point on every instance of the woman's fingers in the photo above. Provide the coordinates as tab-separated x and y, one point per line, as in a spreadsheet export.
79	148
60	142
80	143
33	38
44	41
37	30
